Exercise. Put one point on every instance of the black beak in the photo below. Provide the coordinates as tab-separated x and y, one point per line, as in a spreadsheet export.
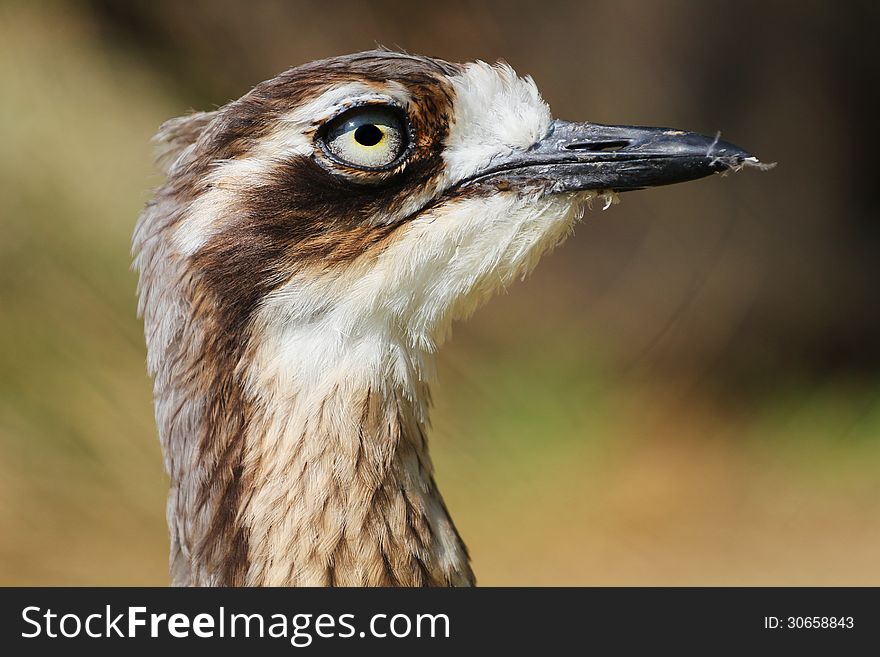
591	156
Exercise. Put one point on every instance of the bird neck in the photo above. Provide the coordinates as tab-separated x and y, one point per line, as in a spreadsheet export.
343	491
303	461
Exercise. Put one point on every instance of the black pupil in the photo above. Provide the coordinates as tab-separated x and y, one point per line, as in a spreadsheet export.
368	135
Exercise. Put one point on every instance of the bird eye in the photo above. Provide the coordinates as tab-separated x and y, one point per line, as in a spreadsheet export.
367	137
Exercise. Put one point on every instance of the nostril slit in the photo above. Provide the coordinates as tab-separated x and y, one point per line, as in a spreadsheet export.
598	146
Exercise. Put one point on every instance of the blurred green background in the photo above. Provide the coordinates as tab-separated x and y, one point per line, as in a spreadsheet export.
685	393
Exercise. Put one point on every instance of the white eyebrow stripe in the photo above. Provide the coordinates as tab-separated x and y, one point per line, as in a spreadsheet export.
339	97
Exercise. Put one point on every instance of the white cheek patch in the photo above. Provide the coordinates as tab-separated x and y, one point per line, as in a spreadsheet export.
496	112
449	261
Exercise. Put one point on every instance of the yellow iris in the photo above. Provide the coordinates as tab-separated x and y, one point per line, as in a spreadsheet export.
367	137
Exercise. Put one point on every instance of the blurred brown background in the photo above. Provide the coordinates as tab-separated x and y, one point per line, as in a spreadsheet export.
687	392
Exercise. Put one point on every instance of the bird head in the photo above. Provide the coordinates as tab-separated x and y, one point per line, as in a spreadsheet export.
387	194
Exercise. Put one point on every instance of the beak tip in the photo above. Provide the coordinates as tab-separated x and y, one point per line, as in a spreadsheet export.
726	156
730	157
726	150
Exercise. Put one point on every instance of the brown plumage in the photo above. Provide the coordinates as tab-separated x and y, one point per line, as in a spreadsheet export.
299	268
